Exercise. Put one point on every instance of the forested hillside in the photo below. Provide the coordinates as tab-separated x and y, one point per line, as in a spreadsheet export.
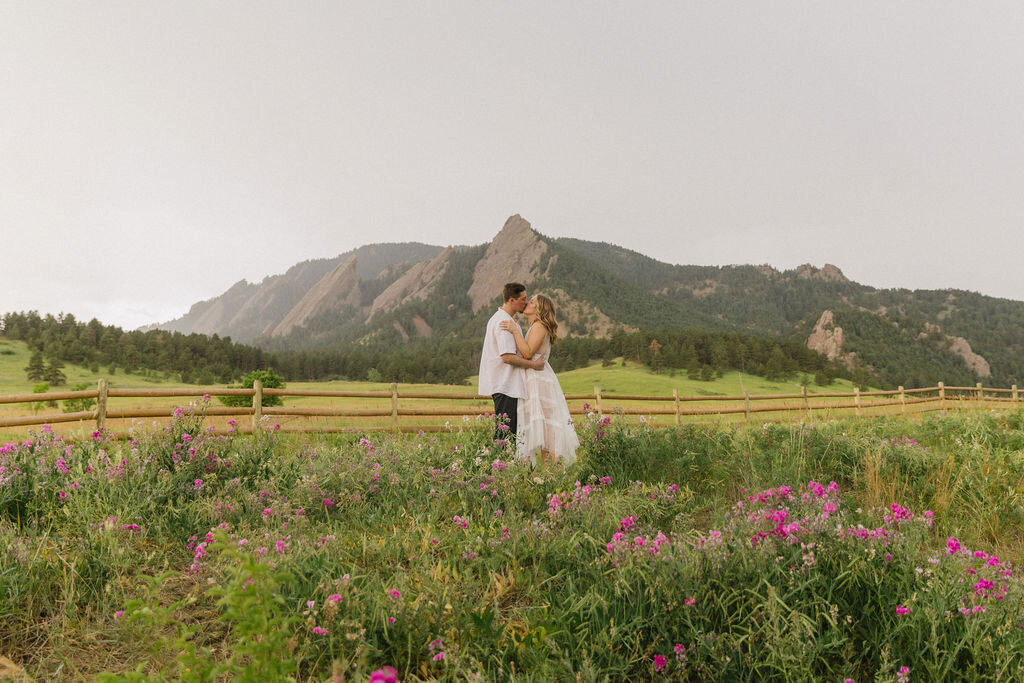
194	358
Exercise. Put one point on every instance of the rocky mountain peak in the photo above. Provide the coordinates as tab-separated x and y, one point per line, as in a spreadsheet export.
512	256
827	339
829	273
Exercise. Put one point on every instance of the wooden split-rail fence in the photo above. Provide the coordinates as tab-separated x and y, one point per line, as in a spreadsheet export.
392	410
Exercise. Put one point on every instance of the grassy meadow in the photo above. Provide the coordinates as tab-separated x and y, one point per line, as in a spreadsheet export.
865	550
618	379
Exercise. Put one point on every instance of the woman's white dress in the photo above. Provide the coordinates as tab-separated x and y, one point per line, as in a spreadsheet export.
543	416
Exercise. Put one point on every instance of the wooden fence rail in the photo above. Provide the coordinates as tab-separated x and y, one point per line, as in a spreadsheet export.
801	404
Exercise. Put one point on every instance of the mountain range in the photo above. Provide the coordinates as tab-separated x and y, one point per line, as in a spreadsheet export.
392	294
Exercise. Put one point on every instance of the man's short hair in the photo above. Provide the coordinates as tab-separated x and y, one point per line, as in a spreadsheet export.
512	291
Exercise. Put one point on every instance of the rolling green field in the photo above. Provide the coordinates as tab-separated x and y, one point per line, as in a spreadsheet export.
629	379
618	379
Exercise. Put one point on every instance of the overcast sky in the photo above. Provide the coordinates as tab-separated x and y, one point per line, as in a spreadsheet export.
153	153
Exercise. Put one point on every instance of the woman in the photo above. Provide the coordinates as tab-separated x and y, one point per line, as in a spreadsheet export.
543	416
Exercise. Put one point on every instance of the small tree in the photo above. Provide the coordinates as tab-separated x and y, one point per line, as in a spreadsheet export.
42	388
36	369
54	373
75	405
693	368
268	378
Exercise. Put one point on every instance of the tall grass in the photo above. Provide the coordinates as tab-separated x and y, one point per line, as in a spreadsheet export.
848	549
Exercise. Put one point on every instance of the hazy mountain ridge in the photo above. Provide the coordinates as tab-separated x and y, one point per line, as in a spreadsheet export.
600	288
248	311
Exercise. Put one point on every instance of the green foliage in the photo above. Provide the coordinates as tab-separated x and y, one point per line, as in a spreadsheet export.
74	405
42	388
92	344
36	368
54	372
897	356
313	558
248	603
268	378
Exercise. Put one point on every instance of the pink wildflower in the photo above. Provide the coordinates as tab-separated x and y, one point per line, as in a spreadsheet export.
386	675
660	662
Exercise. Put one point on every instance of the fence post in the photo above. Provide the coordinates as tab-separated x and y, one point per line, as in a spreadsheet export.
807	405
942	394
394	405
903	400
1014	389
979	391
746	405
101	405
675	395
597	399
257	404
856	400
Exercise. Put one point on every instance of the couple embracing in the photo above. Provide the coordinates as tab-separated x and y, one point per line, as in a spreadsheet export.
514	371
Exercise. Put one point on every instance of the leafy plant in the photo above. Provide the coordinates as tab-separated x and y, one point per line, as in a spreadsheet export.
268	378
74	405
42	388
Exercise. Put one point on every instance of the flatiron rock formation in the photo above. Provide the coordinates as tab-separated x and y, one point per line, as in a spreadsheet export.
416	284
827	339
512	256
334	292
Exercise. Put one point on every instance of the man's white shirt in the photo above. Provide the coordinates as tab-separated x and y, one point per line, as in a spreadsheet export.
496	376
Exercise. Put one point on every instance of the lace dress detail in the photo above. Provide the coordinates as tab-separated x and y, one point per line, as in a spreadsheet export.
543	416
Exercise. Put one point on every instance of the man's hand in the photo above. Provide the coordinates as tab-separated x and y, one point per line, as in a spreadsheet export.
511	326
519	361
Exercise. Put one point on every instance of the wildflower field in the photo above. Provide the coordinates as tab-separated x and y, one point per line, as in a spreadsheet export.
870	550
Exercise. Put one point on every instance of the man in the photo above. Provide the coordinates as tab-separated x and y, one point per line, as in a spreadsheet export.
501	366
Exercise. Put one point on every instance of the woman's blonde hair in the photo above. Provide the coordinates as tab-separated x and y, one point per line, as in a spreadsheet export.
546	315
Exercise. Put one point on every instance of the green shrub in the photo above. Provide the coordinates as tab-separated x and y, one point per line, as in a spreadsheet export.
74	405
268	378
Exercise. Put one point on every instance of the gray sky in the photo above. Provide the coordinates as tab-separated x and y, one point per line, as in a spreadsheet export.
154	153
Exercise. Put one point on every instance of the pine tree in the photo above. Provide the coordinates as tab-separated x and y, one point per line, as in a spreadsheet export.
35	370
54	373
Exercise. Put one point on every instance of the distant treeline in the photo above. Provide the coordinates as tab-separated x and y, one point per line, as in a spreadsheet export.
191	358
453	359
449	359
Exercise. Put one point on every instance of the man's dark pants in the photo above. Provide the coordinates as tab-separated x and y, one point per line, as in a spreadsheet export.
505	405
